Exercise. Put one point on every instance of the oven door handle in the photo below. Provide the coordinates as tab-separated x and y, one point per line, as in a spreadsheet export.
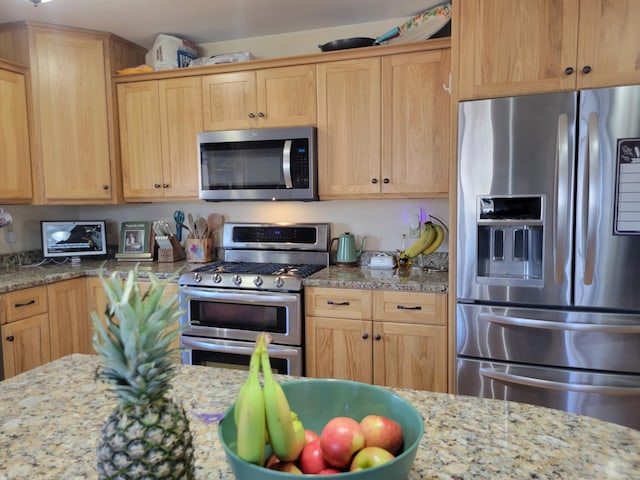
213	346
552	385
234	296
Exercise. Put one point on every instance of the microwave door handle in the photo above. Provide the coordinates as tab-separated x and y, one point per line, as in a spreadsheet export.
590	208
562	199
553	385
286	163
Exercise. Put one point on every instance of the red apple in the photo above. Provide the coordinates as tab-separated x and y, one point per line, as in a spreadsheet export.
311	459
380	431
340	438
370	457
329	471
288	467
310	436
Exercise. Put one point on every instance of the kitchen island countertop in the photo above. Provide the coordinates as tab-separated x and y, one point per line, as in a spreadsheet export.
52	415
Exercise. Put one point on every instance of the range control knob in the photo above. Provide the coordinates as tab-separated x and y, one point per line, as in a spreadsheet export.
278	282
237	279
197	277
258	281
217	278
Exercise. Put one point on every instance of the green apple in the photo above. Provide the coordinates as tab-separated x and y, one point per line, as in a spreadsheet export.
370	457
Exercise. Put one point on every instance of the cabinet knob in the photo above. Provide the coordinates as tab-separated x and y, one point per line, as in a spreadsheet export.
386	180
374	180
365	335
261	115
377	337
252	115
568	70
156	185
586	69
105	187
10	338
165	185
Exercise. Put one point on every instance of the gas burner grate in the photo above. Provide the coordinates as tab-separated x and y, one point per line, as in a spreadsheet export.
300	270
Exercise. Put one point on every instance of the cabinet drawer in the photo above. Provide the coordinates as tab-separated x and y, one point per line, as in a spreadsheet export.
410	307
338	303
26	303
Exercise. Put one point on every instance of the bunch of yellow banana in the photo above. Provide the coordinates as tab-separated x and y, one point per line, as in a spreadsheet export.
263	412
431	238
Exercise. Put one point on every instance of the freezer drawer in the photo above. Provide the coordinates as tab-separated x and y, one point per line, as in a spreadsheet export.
610	397
556	338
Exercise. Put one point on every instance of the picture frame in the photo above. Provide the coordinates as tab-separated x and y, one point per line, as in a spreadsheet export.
136	241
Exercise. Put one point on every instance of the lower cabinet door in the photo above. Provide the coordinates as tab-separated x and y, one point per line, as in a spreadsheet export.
25	344
339	348
410	356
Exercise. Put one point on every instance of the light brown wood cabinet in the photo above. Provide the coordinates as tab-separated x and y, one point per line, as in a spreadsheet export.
69	325
511	48
15	181
271	97
73	139
25	330
159	120
389	338
383	126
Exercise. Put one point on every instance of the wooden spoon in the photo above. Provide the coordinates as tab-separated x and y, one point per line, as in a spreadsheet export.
214	220
201	227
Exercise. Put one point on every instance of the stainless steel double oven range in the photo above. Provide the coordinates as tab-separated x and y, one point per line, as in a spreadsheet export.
256	287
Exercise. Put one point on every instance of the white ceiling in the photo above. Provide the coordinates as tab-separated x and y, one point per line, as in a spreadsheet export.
205	21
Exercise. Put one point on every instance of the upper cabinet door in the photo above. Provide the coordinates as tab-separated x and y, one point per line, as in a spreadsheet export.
229	101
15	181
71	117
349	127
286	96
180	122
415	128
512	47
140	140
609	43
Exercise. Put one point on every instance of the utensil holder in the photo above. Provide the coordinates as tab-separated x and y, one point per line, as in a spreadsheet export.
199	250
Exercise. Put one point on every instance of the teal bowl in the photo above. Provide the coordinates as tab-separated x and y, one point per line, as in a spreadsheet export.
316	401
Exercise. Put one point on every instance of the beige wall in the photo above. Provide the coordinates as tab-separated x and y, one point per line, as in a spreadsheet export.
298	43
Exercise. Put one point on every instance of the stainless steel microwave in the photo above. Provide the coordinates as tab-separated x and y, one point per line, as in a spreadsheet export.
264	164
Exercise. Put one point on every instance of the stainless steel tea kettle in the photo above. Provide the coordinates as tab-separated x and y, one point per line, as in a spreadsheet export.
347	253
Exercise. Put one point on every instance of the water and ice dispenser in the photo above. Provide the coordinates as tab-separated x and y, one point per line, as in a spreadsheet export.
510	240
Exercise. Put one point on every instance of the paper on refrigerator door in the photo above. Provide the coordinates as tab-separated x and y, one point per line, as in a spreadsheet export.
628	187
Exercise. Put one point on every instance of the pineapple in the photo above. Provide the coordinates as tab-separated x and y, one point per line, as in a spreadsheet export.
147	435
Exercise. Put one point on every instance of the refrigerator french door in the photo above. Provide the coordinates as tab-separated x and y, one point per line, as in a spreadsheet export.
548	251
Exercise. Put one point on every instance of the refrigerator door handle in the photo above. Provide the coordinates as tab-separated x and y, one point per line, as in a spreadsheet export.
561	211
548	384
549	325
590	207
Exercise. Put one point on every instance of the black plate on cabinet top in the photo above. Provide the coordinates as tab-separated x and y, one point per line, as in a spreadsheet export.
345	43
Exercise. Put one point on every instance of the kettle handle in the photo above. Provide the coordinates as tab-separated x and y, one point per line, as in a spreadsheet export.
331	242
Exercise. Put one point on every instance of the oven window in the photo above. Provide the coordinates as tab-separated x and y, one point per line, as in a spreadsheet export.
233	360
261	318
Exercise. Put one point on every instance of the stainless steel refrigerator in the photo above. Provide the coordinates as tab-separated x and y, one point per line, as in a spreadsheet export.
548	251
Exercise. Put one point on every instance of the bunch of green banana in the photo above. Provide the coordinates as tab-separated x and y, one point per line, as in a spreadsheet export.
262	413
431	238
249	412
286	432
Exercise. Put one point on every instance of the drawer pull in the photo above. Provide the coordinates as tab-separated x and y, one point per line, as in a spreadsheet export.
365	335
10	338
331	302
26	304
402	307
377	337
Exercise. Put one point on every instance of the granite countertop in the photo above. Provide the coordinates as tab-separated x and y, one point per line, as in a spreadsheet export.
416	279
52	415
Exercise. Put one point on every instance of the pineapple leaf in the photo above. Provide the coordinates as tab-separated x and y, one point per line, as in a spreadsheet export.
134	338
